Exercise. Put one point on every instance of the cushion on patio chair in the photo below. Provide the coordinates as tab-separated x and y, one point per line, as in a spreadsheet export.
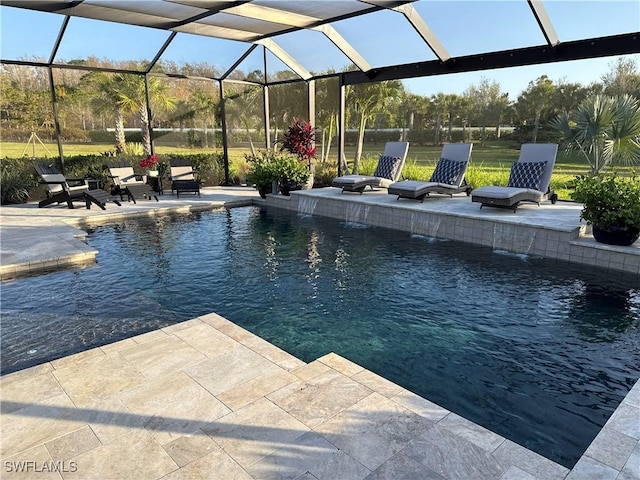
387	167
447	171
526	174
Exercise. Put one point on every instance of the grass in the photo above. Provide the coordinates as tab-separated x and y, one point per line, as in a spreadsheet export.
489	165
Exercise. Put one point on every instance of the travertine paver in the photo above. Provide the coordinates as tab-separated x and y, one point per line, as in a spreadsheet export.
320	398
253	418
452	456
373	430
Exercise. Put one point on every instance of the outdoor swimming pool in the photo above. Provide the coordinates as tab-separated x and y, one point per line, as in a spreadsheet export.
539	352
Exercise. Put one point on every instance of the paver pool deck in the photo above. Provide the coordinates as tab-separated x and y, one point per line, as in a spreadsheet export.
207	399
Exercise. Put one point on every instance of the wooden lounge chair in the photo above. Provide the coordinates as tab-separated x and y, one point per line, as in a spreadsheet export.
184	179
387	172
447	178
60	191
529	179
127	182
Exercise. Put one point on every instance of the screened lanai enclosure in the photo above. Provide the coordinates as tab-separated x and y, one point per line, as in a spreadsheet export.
216	73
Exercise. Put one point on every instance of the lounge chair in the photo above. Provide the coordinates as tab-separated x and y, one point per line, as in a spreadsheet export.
529	179
60	191
127	182
184	179
387	172
447	178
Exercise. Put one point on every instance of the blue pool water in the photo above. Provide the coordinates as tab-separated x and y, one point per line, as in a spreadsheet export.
539	352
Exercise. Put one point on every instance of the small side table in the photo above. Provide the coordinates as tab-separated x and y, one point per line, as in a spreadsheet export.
156	184
94	183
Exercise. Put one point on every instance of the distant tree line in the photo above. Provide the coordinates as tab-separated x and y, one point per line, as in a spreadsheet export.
91	101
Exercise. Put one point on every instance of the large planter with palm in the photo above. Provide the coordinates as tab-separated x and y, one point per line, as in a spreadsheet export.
611	204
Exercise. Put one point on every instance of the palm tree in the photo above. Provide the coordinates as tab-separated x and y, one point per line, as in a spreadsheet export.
105	100
605	129
368	100
205	106
131	98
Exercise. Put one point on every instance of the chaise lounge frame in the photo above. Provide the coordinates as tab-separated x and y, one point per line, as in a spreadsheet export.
417	190
512	197
358	183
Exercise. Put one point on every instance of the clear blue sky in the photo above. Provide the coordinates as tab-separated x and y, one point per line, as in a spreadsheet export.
464	27
514	80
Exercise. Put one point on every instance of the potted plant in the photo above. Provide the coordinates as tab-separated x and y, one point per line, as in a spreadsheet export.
299	140
262	172
150	164
292	174
611	204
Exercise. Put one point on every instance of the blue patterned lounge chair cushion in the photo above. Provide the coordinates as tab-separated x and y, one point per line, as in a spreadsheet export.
447	171
387	167
526	174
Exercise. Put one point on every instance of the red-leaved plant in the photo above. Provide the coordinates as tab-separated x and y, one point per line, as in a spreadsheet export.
299	140
150	162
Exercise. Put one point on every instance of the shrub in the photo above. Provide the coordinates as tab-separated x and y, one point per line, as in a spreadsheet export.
210	166
262	172
133	148
238	170
413	171
16	180
609	200
477	176
324	174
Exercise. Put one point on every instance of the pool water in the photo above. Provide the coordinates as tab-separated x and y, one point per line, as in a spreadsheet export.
539	352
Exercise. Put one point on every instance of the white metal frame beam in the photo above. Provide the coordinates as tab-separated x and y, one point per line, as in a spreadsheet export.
417	22
346	48
540	12
284	57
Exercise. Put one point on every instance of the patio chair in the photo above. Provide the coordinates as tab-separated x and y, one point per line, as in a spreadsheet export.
60	191
127	182
529	179
387	172
447	178
184	179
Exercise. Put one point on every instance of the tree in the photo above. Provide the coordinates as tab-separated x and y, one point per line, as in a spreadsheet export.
487	104
567	97
327	100
605	129
440	103
244	110
105	100
623	78
535	101
183	111
205	107
131	97
367	101
455	108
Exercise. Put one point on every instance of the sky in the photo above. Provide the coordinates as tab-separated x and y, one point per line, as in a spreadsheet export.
515	80
464	27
